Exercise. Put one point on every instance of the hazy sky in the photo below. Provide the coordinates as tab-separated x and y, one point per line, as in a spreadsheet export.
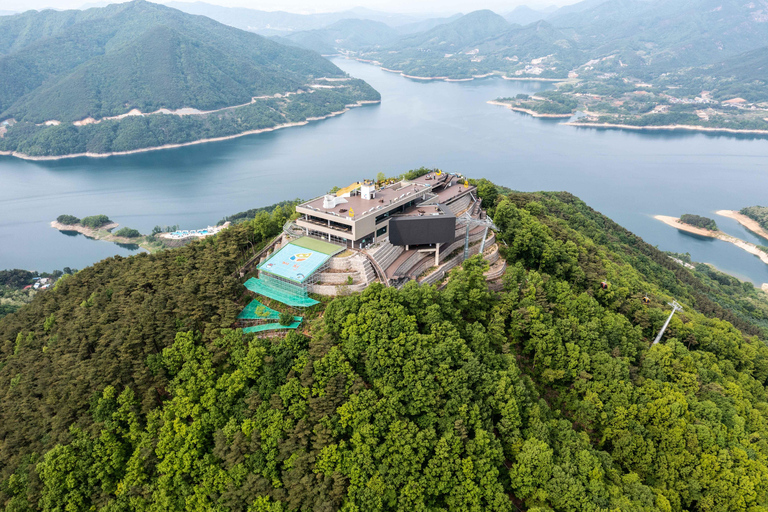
437	6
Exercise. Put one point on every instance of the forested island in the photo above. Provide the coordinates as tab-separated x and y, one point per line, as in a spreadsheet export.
541	391
138	76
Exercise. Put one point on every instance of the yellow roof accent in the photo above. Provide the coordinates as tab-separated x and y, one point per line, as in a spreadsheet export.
347	190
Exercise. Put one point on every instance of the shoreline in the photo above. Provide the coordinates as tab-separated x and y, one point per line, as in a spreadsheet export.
670	127
532	113
745	221
719	235
89	232
104	234
446	79
190	143
533	79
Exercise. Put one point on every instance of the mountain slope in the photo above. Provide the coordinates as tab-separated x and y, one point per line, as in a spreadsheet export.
146	56
524	15
125	389
480	43
348	34
73	68
466	30
670	35
282	23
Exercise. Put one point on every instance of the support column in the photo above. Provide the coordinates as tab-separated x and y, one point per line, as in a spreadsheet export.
482	244
437	255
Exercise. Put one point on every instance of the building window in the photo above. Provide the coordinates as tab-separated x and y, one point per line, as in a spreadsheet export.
381	231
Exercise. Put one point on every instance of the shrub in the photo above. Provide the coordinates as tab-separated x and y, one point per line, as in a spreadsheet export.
128	232
286	318
95	221
67	220
698	221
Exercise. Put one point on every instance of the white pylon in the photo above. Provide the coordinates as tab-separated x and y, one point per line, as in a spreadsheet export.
675	307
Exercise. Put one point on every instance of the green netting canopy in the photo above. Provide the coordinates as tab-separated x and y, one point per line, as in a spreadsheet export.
258	311
296	298
274	326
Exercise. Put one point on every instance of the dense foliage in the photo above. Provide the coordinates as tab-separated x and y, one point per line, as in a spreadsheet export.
100	63
95	221
541	395
69	220
757	213
70	65
699	221
128	232
137	132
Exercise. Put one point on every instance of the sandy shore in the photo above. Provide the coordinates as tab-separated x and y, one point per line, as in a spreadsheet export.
534	79
89	232
745	221
443	78
191	143
530	112
670	127
741	244
414	77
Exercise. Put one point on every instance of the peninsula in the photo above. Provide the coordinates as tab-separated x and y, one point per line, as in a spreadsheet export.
748	222
688	228
100	227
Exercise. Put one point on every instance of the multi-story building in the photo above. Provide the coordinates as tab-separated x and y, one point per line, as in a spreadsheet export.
359	215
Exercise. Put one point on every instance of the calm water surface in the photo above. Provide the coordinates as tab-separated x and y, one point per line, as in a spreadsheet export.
628	176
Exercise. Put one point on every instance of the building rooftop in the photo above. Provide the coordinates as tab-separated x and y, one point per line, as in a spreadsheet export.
423	211
385	196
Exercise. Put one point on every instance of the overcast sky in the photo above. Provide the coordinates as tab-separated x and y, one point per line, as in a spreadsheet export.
436	6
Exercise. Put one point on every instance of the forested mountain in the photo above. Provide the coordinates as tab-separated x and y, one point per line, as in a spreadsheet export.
524	15
479	43
126	388
282	23
103	62
659	35
350	34
76	69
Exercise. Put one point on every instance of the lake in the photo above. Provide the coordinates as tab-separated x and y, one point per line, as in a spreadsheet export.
629	176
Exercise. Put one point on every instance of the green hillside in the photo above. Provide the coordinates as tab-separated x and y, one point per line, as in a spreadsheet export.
478	43
125	388
145	56
662	36
349	34
455	35
71	65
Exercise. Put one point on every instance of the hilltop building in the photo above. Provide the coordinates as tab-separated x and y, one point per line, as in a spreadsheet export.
392	232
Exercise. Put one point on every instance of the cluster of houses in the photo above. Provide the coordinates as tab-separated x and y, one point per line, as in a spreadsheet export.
41	283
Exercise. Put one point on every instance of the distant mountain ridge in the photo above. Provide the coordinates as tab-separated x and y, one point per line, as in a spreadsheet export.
642	37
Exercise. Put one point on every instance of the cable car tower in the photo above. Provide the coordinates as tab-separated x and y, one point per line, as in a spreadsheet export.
472	223
675	307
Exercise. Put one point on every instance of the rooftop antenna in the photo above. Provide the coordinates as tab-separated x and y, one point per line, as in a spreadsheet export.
675	307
